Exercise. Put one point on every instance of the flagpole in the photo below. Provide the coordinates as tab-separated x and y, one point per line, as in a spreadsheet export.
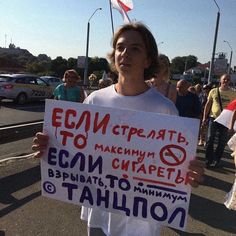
124	11
112	26
127	16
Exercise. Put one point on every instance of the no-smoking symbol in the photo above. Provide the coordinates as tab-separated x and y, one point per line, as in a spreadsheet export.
172	155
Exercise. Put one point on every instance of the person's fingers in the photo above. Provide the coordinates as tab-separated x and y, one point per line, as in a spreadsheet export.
196	173
36	147
40	139
41	136
38	154
196	166
194	178
193	183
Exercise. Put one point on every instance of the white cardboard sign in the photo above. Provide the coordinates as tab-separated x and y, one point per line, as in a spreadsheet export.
128	162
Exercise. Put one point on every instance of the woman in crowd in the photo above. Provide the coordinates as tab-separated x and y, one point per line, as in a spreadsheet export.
204	126
161	79
69	90
135	58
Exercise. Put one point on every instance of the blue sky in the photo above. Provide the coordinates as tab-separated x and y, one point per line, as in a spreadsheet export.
58	27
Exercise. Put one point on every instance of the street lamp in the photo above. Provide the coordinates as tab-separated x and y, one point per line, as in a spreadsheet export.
214	45
87	48
231	54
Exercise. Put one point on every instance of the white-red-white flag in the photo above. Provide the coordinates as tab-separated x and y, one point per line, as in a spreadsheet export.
123	6
226	115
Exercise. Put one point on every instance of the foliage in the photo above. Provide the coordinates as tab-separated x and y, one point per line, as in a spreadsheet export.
180	64
23	60
12	46
59	66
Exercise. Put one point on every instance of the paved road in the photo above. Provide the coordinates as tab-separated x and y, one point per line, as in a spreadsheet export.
11	113
24	212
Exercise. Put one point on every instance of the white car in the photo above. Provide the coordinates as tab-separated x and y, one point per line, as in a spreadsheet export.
23	88
52	80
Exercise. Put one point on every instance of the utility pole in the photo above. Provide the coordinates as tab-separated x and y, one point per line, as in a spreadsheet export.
231	54
87	49
211	71
5	40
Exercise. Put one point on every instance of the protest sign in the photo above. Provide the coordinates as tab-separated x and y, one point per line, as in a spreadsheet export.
128	162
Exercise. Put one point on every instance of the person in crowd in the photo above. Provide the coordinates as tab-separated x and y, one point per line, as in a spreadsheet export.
161	80
69	89
187	103
103	83
198	89
218	98
203	127
135	58
192	89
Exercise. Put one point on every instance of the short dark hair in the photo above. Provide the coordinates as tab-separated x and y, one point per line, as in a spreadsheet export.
149	42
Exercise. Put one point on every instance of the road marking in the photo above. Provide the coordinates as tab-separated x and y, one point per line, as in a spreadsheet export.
16	158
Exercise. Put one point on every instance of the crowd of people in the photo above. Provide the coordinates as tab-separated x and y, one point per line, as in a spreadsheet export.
144	84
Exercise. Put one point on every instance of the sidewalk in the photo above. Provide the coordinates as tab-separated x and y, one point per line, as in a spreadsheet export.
24	212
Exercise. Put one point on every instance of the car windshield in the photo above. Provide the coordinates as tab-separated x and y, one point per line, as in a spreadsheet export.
5	79
41	82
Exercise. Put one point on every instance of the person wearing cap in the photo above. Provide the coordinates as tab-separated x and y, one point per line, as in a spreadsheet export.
69	90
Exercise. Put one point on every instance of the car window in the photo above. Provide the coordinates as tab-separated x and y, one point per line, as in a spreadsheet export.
21	80
41	82
5	79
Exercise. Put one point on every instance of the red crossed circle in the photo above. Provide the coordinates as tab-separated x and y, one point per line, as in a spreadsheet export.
168	155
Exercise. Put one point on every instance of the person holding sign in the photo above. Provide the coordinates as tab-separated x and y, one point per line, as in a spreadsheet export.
135	58
69	90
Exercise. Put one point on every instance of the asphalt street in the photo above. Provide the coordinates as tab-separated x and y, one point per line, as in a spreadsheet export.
24	212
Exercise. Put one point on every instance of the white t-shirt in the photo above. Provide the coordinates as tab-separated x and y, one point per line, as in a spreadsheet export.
150	101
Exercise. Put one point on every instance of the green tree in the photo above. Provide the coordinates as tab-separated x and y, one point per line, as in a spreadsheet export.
59	66
12	46
177	65
180	64
43	57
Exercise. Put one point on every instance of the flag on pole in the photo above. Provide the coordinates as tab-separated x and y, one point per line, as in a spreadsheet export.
226	115
123	6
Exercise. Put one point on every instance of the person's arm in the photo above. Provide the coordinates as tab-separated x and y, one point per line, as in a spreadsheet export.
82	94
231	127
233	118
207	109
56	92
173	93
197	107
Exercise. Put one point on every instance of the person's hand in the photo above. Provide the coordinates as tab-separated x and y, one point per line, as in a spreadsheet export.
40	143
204	122
196	172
